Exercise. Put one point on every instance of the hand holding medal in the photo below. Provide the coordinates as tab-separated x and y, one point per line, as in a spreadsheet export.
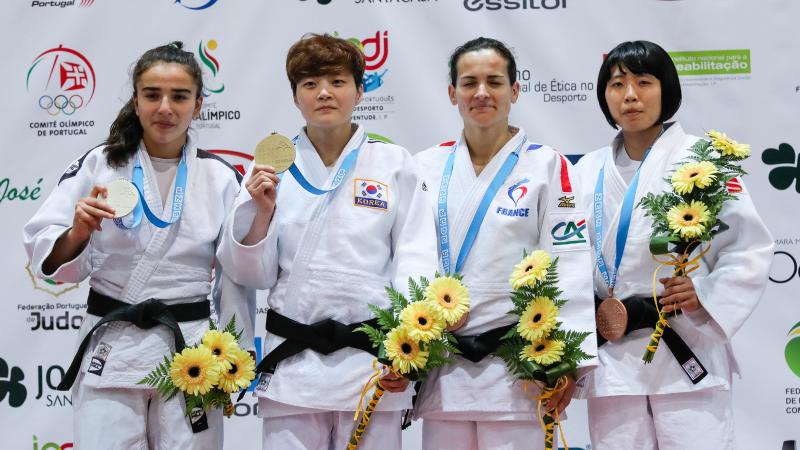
273	155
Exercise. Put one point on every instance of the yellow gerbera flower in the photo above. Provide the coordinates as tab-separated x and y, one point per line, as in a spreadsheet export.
688	220
693	175
538	319
240	374
530	270
727	146
449	298
422	321
404	352
195	370
222	344
544	352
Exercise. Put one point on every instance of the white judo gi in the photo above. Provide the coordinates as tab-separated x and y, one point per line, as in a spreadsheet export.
327	257
656	406
172	264
479	405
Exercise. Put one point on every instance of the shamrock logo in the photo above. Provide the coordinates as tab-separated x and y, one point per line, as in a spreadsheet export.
783	177
11	386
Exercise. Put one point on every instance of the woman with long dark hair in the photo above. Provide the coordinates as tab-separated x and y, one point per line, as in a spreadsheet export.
149	261
682	400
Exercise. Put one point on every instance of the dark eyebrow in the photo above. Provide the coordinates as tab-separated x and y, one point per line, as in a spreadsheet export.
177	91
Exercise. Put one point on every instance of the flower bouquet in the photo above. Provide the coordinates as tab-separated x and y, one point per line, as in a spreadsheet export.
538	349
206	373
412	337
686	217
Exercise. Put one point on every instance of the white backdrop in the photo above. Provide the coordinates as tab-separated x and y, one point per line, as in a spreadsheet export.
66	74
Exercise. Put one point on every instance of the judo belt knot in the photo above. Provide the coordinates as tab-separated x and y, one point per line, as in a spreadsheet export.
144	314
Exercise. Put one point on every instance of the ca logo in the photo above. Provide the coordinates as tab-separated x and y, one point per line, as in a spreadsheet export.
11	386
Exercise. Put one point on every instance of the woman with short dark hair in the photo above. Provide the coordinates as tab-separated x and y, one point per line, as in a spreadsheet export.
682	400
326	243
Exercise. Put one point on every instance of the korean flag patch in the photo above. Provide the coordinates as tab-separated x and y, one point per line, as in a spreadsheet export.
371	194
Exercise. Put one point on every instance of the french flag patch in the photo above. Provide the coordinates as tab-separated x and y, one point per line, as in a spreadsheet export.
370	194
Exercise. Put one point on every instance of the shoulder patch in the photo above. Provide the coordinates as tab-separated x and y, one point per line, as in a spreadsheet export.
533	147
734	186
447	144
566	185
203	154
75	167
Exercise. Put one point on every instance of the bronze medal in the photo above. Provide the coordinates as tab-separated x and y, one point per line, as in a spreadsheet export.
277	151
612	319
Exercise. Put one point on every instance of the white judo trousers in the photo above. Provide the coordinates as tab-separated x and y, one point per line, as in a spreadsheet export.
698	420
472	435
111	418
330	430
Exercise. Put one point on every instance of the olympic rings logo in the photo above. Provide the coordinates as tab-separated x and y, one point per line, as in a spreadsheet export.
60	104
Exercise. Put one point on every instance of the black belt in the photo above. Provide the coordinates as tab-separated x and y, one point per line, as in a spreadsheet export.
478	346
325	336
145	315
642	314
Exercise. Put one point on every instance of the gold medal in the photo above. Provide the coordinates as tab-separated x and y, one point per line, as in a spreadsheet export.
122	196
276	151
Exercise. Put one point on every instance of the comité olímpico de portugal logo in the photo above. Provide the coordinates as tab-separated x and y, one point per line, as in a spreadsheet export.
377	104
516	192
195	5
213	114
61	82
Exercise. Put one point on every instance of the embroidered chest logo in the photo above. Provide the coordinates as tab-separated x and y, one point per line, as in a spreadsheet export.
370	194
516	192
568	233
566	202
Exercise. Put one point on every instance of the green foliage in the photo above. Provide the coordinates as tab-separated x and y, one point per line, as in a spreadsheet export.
546	288
714	196
512	344
159	378
439	350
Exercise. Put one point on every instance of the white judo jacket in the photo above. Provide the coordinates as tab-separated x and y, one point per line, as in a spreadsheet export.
729	282
329	256
535	208
173	264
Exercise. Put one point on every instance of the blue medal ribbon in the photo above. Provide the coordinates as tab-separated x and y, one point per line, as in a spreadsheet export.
341	174
477	220
178	196
626	214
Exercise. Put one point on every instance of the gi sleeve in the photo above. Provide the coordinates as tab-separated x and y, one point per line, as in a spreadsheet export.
54	218
254	266
739	262
414	230
564	234
232	300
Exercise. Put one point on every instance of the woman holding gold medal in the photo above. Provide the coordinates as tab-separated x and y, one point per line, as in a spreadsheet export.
148	247
682	400
325	238
498	194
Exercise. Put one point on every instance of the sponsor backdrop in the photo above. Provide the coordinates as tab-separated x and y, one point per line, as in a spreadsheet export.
66	74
